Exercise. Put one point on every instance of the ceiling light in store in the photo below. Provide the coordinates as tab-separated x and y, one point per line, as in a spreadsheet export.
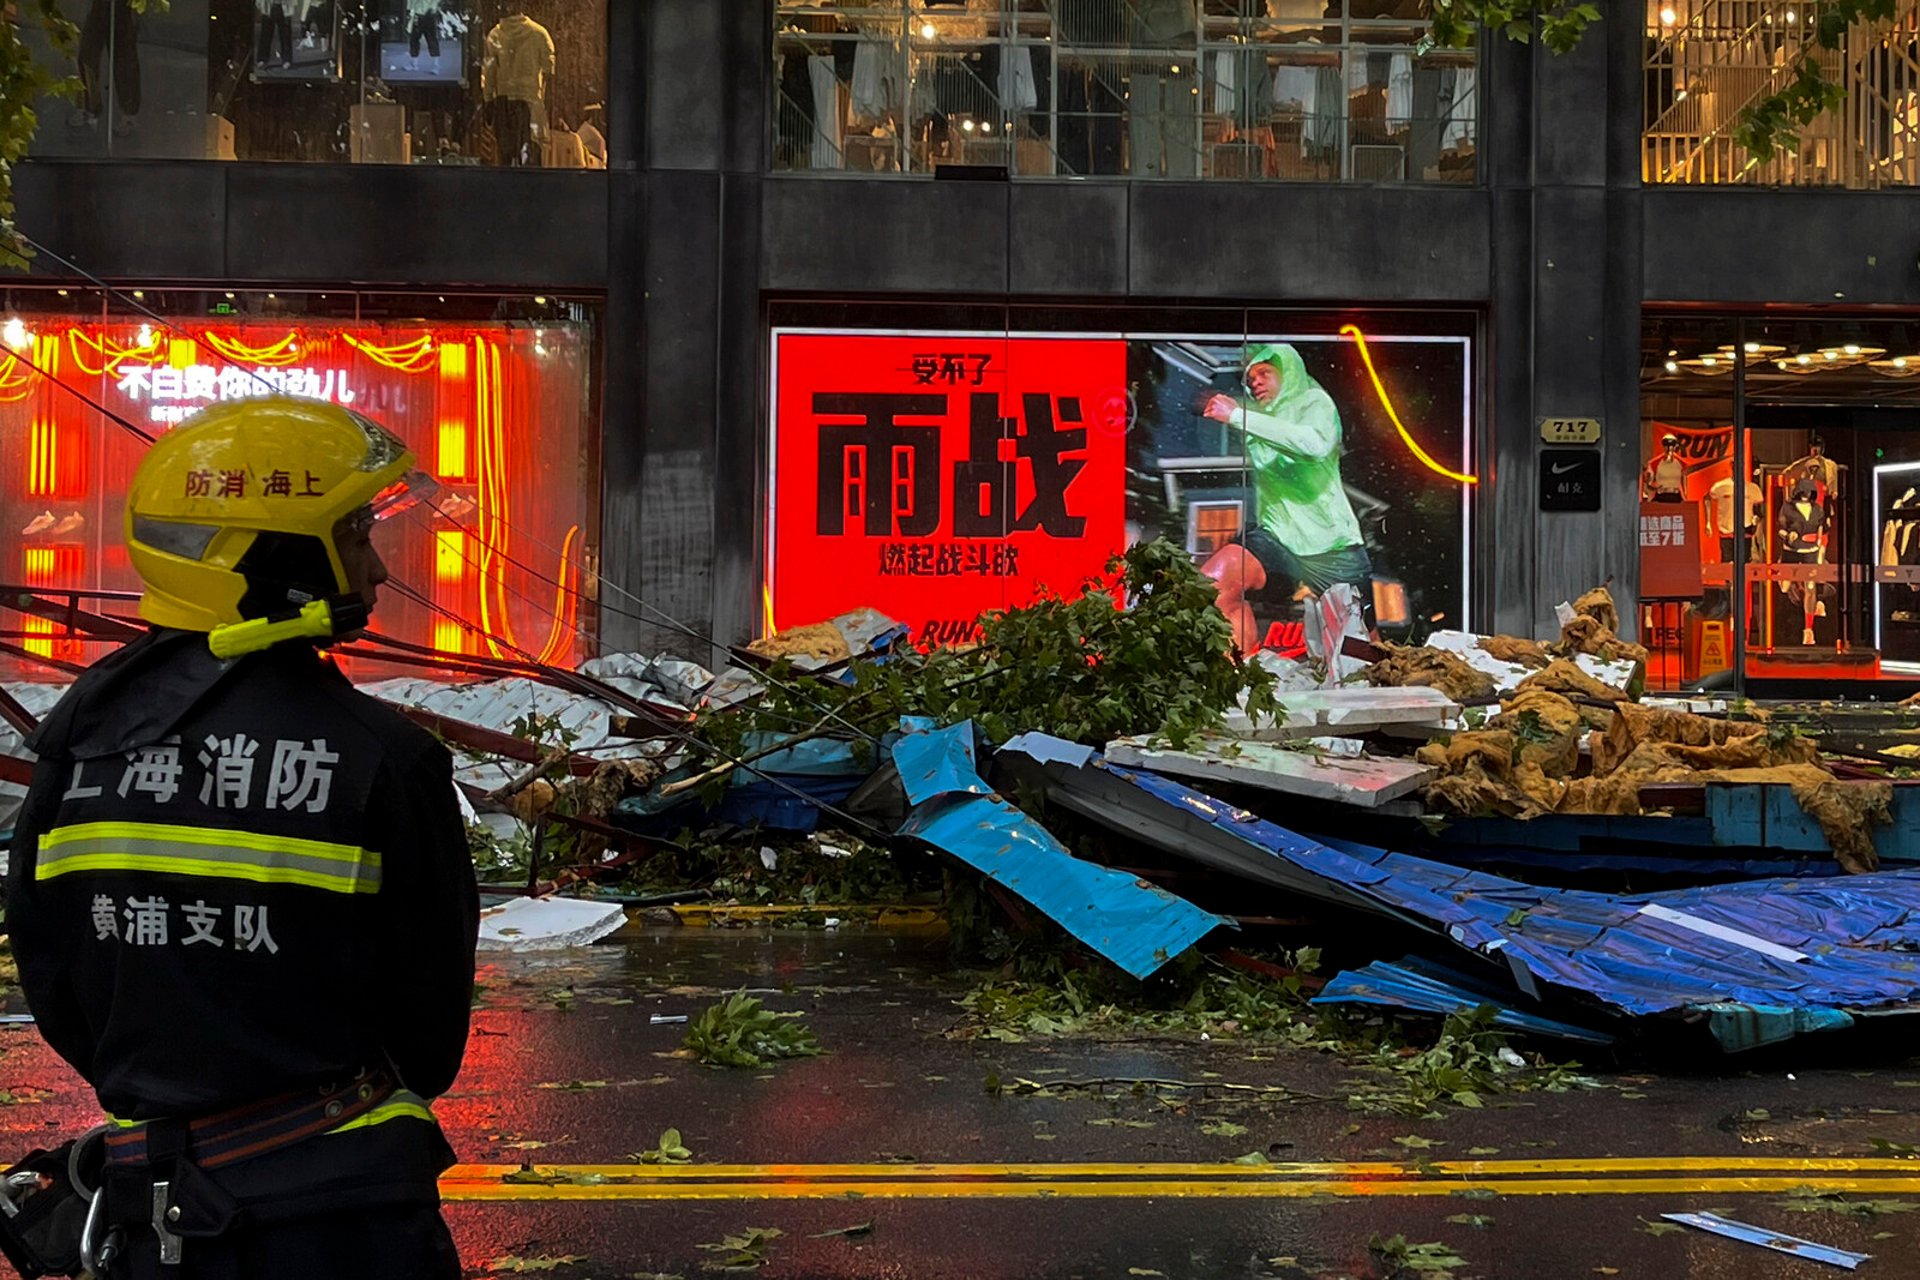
1792	17
967	125
15	334
1673	366
985	127
229	297
1897	367
1830	353
139	293
61	292
1668	17
1708	364
1755	350
145	336
1680	95
927	31
1176	68
1800	366
1802	358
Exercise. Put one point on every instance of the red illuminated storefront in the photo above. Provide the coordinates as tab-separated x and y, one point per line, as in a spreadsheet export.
498	409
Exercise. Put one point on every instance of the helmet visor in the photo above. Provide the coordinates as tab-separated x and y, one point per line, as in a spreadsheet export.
410	489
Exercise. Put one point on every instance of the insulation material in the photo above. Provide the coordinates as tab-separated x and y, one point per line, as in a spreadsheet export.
1547	730
1479	775
1432	668
1592	630
1566	678
1526	653
1633	725
820	642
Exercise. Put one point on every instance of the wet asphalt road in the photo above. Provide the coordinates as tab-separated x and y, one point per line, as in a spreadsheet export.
566	1069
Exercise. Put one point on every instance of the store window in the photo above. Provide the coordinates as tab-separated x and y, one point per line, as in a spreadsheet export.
494	396
513	83
1705	62
937	463
1314	90
1787	455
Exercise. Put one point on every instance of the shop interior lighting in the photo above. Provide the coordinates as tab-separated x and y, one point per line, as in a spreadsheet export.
1712	364
1668	17
928	31
1673	366
1755	350
1896	367
15	334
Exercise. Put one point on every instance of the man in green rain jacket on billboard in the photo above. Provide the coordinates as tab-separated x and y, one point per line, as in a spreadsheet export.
1304	531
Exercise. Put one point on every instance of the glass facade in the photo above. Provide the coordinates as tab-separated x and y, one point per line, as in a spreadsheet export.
495	396
1782	455
494	82
1309	90
1708	60
934	462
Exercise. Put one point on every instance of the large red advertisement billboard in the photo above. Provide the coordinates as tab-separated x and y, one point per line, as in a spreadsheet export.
936	475
938	478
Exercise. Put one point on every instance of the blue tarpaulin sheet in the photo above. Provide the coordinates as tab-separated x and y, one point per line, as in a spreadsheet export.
1136	925
1713	947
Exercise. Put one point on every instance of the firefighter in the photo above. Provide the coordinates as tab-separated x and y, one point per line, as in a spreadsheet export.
239	891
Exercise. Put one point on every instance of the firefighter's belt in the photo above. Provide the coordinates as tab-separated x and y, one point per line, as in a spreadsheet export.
261	1127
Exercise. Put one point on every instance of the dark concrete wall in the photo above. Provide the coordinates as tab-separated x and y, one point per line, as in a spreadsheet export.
690	238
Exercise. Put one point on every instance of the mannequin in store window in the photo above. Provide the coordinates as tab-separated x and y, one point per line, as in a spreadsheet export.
276	22
1720	516
1803	540
1817	467
1665	478
423	23
517	62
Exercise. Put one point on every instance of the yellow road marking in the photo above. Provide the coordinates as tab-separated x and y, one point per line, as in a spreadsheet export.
1189	1170
1154	1188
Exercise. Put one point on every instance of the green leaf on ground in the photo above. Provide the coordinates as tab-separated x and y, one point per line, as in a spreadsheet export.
1223	1129
1398	1257
1656	1229
1483	1151
743	1250
857	1229
513	1264
670	1150
738	1032
1415	1142
1478	1221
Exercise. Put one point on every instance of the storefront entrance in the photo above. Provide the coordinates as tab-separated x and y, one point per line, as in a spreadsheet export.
1783	455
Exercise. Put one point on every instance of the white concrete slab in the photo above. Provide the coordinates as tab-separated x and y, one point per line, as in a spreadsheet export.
1365	783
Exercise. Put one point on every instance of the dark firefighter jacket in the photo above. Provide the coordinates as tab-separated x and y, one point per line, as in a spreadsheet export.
234	880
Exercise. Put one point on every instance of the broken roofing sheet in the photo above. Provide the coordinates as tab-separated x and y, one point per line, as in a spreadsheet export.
1771	946
1136	925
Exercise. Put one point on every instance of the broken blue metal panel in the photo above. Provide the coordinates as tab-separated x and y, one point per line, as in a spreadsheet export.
1766	816
1648	860
1738	1027
1775	1240
936	762
1136	925
1858	933
1413	984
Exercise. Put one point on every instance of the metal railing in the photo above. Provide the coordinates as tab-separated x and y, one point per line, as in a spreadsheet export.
1707	61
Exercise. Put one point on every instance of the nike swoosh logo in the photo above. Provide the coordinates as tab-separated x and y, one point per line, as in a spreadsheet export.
1561	470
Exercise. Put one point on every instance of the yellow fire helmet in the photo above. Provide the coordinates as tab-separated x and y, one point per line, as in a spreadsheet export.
232	515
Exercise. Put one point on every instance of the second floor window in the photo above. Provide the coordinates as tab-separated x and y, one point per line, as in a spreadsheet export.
1313	90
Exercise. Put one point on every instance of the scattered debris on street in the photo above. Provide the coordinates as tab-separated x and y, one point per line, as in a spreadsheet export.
1139	827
